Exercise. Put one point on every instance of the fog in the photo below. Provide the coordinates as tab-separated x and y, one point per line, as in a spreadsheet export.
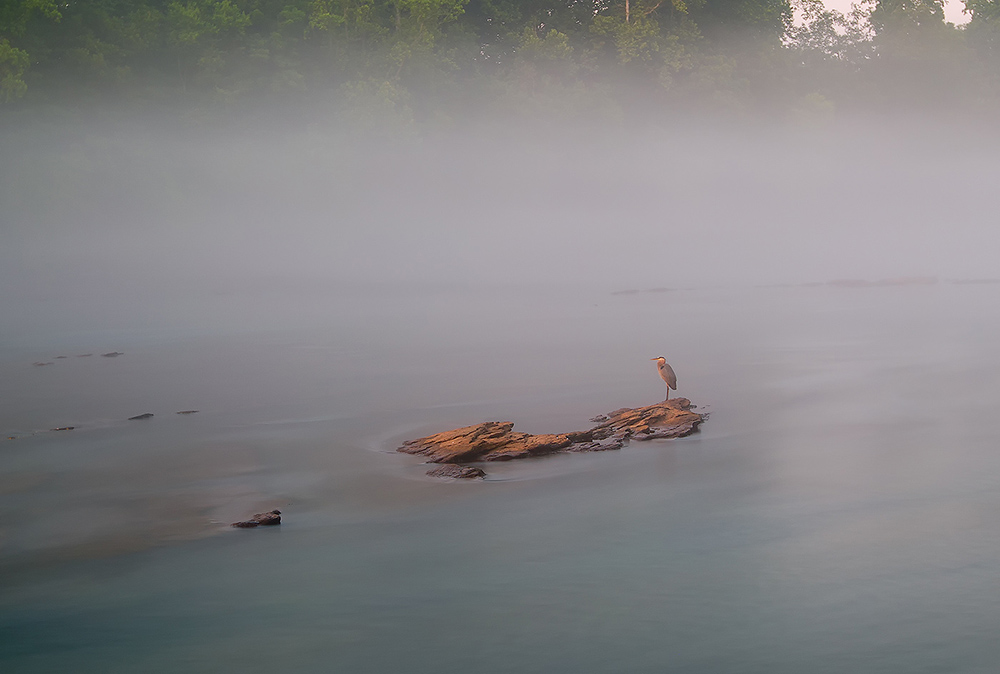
105	218
320	295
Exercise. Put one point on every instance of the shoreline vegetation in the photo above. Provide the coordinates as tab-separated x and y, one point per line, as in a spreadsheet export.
411	65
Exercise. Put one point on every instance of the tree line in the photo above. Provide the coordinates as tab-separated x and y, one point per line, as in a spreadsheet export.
404	57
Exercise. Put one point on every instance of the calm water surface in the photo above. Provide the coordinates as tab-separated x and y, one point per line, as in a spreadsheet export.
837	513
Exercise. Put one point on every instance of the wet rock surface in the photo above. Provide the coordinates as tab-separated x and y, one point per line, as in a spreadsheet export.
497	440
456	471
260	519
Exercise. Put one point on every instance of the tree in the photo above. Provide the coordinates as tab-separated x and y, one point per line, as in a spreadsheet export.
203	33
15	61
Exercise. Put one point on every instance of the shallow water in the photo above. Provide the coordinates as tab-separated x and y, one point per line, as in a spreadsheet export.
836	513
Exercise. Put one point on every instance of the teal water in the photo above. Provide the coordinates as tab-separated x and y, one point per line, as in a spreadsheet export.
836	513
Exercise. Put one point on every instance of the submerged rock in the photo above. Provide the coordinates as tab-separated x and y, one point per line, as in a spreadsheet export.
456	471
113	354
497	441
147	415
260	519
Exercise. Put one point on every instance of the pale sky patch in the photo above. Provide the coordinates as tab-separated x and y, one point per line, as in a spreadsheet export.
952	9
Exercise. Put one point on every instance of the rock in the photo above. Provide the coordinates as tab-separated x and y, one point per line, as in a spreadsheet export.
41	364
64	428
113	354
188	412
670	419
597	445
497	441
457	472
260	519
58	357
147	415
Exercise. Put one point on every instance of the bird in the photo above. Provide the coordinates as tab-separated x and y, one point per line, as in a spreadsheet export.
666	374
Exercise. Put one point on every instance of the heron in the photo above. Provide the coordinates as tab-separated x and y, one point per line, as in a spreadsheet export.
666	374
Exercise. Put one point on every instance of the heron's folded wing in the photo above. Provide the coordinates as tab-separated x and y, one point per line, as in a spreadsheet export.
671	377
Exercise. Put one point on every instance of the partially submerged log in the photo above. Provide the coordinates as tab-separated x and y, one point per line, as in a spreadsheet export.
497	441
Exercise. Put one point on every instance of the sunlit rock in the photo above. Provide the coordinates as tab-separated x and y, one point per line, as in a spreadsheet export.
497	441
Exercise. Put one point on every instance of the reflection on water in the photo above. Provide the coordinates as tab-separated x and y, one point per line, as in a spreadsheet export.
836	513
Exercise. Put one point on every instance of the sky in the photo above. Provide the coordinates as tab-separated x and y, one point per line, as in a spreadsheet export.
952	9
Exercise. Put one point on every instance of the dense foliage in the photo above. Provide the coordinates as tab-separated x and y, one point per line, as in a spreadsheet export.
405	58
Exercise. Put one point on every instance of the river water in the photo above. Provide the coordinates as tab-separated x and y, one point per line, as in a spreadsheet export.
837	511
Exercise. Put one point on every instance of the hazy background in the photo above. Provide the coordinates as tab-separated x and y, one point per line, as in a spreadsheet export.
332	227
103	222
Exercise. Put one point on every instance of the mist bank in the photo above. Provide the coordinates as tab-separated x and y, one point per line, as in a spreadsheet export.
404	63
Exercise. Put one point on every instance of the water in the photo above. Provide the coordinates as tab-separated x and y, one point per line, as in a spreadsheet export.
836	513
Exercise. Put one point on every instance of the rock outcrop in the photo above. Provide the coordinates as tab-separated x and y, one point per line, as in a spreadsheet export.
260	519
456	471
497	440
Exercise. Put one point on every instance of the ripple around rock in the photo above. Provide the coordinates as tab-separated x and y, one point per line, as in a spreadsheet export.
497	441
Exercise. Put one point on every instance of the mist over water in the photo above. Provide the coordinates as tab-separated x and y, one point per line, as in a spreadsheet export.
124	226
320	298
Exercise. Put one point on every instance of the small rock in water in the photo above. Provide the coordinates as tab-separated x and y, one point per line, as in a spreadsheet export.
41	364
260	519
58	357
64	428
112	354
188	412
147	415
456	471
